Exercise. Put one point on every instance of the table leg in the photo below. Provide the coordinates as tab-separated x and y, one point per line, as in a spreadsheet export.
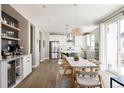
74	79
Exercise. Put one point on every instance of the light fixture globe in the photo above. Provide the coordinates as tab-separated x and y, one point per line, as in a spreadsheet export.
76	32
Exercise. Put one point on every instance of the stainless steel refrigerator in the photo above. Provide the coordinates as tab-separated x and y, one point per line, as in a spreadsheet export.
54	50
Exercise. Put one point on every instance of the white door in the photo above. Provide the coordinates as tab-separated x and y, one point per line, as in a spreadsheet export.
111	46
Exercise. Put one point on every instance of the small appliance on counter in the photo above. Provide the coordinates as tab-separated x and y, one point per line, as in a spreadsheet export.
6	54
18	49
11	51
15	49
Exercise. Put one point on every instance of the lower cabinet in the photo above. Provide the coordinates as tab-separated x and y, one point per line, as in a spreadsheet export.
3	74
27	65
13	71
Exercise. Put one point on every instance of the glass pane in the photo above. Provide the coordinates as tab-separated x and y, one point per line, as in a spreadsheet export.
121	67
92	37
78	41
122	26
112	47
88	40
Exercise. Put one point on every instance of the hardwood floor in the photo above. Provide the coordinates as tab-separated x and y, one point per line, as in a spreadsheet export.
43	76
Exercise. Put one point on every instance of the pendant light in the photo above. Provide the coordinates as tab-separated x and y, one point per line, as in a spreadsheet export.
69	38
77	30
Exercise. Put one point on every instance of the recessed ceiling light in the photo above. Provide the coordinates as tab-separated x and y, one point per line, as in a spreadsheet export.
66	28
67	25
49	19
75	4
44	6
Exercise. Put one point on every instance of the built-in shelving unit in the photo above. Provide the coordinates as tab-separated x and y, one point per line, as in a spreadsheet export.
9	27
14	32
10	38
9	31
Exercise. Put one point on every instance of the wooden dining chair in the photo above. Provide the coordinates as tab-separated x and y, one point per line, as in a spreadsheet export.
88	80
97	63
65	70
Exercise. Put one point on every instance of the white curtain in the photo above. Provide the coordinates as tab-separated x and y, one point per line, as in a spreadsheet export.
102	53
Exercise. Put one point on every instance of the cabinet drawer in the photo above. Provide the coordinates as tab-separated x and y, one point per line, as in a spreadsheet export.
26	58
27	65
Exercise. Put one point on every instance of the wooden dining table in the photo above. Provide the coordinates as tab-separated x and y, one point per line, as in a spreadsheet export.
82	63
77	65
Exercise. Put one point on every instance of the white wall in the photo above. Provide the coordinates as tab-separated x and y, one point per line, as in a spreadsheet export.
36	47
46	44
24	35
44	50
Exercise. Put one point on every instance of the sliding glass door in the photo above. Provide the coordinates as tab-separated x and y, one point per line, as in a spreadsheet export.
115	46
112	47
121	47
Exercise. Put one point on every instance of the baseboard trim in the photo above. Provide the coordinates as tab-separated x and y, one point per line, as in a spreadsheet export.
34	66
44	59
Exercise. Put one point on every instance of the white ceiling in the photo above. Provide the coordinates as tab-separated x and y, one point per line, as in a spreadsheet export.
57	17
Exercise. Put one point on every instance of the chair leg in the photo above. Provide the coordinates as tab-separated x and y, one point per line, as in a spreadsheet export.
100	85
61	79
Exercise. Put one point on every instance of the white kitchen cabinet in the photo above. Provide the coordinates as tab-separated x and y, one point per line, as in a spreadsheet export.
3	74
27	65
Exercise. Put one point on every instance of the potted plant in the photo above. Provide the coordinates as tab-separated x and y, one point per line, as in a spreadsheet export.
76	58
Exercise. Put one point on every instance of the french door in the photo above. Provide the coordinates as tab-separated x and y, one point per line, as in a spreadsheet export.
121	48
115	46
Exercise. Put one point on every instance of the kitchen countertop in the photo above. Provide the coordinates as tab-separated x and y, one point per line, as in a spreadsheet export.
12	58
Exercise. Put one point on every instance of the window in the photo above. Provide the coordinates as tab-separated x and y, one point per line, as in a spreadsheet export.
122	35
111	45
88	40
92	41
79	41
